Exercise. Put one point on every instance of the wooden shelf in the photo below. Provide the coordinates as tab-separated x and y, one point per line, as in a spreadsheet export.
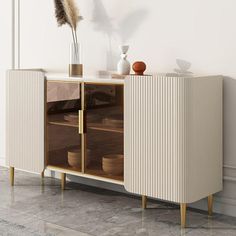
63	123
102	127
67	167
93	126
92	173
58	119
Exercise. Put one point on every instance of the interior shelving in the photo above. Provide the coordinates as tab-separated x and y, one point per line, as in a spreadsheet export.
59	120
103	134
93	170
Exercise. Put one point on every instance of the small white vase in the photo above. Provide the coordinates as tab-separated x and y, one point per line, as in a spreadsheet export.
123	67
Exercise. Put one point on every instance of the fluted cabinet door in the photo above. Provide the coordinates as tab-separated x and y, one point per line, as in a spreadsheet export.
25	120
154	128
173	137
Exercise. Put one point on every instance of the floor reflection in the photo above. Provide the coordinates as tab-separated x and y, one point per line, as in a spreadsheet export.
39	207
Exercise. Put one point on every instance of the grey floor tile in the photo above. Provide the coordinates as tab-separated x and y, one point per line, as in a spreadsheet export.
53	229
33	209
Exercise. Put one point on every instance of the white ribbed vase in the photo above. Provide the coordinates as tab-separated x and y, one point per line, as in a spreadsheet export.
123	66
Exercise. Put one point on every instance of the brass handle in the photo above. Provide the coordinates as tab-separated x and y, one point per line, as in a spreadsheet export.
81	122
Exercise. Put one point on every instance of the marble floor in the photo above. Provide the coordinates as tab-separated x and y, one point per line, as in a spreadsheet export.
39	208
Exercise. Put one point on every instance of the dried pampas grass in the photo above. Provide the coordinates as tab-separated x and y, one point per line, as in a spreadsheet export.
60	13
66	12
72	13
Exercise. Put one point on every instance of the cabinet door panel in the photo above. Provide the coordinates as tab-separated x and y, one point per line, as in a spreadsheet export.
25	120
63	138
173	137
104	130
155	127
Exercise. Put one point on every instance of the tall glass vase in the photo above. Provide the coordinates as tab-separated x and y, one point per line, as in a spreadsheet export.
75	66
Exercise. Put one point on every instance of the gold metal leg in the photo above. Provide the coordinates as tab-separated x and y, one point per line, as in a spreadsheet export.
183	207
144	201
63	181
12	170
42	180
210	205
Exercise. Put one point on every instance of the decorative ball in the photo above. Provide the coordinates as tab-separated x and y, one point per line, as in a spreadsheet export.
139	67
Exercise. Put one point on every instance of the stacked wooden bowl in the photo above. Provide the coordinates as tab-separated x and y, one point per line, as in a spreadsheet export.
71	118
74	158
113	164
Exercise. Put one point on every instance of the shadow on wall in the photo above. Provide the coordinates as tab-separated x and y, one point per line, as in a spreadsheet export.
122	30
183	68
130	23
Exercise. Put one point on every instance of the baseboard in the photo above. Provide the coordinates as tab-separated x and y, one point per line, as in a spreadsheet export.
225	206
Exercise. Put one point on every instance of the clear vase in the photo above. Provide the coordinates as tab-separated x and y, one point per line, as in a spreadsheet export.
75	66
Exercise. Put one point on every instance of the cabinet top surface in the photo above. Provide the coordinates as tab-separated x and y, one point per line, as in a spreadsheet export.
87	79
63	77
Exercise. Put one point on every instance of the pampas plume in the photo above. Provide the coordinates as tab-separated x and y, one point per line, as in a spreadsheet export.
60	13
72	13
66	12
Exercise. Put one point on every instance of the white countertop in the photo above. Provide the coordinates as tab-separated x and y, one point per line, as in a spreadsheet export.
106	79
89	79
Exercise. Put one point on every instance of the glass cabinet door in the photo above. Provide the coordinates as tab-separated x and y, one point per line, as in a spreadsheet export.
104	147
63	139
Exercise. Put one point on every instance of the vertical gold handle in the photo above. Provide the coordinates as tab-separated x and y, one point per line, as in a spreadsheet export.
81	122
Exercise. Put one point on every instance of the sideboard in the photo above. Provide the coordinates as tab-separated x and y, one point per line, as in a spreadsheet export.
169	130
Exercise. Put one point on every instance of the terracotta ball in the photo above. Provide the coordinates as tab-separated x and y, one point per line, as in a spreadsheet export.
139	67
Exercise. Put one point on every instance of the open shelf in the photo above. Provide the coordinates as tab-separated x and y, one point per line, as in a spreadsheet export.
92	173
67	167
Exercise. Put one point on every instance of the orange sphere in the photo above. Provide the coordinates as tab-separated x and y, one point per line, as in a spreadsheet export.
139	67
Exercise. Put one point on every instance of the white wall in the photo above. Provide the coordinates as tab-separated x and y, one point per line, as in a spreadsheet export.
201	32
5	63
158	31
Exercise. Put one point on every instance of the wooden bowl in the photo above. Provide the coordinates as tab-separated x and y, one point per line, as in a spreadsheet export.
113	122
74	158
113	164
73	118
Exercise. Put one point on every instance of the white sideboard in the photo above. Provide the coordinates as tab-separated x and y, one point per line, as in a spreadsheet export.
171	139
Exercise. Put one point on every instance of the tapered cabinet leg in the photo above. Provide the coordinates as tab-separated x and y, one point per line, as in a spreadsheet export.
63	181
42	174
183	207
210	205
12	173
144	201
